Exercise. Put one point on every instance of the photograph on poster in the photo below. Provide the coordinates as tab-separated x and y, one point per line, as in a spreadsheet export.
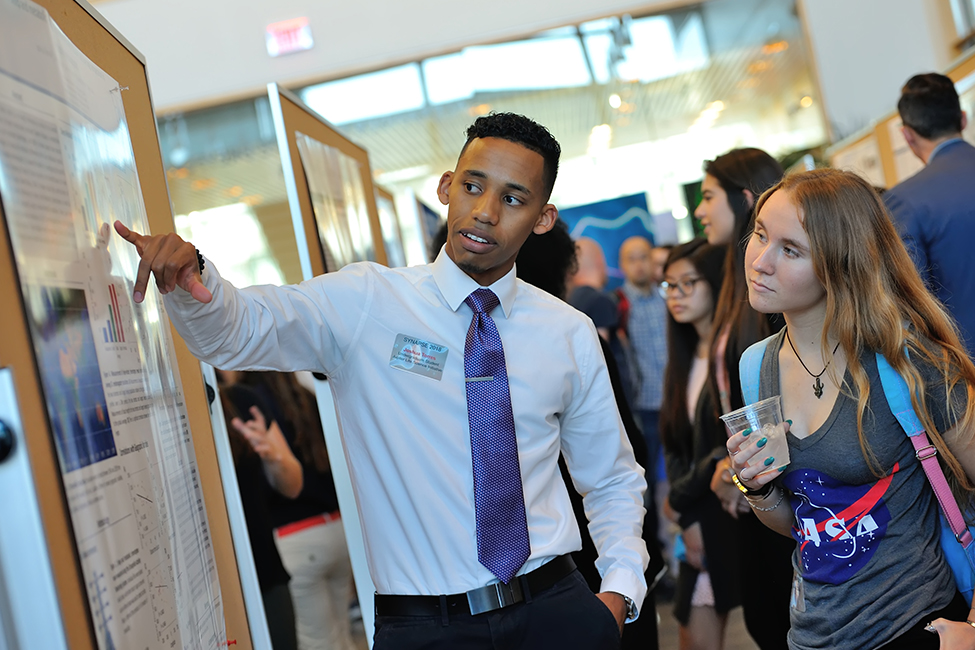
71	377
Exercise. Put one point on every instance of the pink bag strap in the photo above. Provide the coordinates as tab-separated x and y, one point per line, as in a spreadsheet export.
928	455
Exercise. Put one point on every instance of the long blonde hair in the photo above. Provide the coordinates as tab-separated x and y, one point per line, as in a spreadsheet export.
877	302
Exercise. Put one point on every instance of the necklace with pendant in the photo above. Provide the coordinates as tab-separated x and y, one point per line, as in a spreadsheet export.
817	385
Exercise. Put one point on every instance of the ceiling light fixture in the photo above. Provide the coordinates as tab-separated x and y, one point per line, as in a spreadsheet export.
599	139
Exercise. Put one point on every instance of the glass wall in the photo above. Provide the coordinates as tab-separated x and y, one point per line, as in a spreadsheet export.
638	103
228	192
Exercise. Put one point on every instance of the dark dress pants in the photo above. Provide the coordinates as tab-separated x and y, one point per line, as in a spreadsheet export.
566	615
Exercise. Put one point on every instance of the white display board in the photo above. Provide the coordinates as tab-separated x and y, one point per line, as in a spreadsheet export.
906	164
864	159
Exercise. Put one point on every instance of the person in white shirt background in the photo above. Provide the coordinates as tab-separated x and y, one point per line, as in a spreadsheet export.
394	344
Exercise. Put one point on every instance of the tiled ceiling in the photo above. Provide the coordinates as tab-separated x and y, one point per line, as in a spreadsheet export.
745	80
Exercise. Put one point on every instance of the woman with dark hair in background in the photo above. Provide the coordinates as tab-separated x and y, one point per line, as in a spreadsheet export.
693	439
265	467
308	529
547	261
732	184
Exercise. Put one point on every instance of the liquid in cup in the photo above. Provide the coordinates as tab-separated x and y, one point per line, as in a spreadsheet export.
762	418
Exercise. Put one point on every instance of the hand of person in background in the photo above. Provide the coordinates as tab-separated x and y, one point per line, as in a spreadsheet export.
256	432
282	468
732	500
669	512
694	545
171	260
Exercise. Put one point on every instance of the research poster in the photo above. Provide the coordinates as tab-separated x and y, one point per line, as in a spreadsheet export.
112	390
906	164
966	97
339	202
863	158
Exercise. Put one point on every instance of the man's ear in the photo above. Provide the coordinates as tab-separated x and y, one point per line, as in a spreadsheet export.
443	188
749	198
964	120
910	135
546	220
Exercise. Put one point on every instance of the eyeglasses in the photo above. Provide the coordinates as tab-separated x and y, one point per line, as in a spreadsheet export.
684	287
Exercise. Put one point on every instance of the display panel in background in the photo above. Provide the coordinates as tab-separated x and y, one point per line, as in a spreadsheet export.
610	223
339	201
966	96
112	390
863	158
906	164
392	237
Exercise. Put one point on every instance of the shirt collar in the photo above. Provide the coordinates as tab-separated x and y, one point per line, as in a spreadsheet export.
941	146
455	285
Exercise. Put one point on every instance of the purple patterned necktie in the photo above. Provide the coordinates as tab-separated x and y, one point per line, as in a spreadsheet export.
499	503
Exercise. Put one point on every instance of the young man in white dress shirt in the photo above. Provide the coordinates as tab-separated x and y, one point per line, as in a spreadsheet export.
394	344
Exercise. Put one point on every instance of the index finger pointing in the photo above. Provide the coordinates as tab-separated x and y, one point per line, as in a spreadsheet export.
129	235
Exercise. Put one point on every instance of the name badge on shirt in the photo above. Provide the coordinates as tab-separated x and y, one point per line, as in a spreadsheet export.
416	355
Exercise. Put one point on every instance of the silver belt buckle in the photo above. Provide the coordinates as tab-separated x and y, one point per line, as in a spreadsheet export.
494	596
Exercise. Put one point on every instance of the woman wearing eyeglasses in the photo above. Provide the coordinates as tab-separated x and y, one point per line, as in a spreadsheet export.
707	581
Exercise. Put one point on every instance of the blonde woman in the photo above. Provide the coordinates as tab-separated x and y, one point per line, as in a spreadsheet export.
869	567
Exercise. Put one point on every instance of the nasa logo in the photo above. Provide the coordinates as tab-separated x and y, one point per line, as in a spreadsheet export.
839	527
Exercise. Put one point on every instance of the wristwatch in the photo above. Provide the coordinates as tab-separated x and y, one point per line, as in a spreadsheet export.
630	608
760	493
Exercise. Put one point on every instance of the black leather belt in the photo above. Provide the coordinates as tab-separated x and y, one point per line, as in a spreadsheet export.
481	600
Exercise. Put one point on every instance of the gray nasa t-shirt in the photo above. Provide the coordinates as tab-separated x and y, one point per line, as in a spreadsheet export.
868	549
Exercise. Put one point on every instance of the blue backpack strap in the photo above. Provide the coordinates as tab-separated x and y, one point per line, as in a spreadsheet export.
898	397
956	536
750	369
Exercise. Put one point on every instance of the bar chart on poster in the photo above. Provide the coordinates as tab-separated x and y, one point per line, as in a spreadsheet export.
107	368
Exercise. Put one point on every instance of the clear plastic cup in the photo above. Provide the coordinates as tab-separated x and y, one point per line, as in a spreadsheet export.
763	419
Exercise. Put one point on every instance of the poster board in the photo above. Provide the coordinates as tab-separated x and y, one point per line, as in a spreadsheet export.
392	233
295	122
77	600
291	119
862	156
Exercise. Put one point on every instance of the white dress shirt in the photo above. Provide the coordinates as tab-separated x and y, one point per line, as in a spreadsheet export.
407	438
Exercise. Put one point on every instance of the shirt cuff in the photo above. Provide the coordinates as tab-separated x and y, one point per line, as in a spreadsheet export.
211	280
626	584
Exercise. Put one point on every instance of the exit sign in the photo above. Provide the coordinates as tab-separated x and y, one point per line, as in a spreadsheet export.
288	36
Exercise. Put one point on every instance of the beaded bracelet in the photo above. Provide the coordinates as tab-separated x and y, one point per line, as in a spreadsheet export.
771	508
200	261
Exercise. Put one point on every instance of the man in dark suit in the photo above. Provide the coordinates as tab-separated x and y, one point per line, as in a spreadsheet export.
934	210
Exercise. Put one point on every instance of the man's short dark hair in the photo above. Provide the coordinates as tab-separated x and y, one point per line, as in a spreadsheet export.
524	131
929	105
